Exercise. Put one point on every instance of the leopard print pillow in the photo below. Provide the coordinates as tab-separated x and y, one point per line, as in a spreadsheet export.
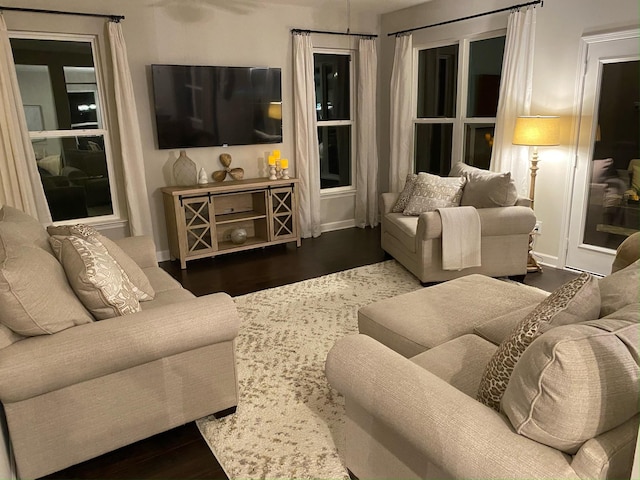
577	300
405	195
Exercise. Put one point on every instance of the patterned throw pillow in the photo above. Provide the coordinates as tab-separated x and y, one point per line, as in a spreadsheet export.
143	287
403	198
577	300
96	278
431	192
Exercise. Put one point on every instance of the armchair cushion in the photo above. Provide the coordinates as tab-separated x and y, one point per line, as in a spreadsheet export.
431	192
575	301
96	278
575	382
485	189
405	195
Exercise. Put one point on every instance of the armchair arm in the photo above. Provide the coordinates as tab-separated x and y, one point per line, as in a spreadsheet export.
387	201
141	249
455	432
523	202
45	363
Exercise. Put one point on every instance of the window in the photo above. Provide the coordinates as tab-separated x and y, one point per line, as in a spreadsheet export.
62	104
457	99
334	109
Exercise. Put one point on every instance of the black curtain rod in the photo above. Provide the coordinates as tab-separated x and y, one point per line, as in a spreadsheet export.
512	7
113	18
324	32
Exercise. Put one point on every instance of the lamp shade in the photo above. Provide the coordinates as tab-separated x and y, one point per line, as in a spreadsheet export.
537	131
275	110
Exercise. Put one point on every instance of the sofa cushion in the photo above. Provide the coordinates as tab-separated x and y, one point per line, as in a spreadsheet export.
619	289
402	228
145	291
17	229
627	253
575	382
403	198
575	301
459	362
35	297
99	282
499	328
431	192
485	189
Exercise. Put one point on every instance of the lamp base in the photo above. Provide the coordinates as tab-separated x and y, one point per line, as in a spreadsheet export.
532	263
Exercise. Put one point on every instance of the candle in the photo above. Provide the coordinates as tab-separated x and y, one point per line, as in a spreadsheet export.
284	163
276	154
272	160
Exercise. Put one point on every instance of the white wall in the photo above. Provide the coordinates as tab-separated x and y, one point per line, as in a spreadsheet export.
560	25
192	32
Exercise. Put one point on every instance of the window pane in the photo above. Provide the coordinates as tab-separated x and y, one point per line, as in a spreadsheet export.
478	144
437	82
485	68
58	84
335	156
74	175
433	148
332	86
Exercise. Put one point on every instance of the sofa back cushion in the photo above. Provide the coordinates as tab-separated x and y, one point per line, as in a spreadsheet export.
620	289
627	253
431	192
18	228
575	382
485	189
575	301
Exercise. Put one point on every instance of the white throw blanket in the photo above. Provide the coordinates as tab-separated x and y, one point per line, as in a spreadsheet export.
460	238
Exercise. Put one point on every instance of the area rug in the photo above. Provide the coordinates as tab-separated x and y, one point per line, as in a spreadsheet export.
289	422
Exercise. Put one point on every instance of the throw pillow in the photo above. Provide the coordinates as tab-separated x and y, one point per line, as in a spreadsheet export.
575	301
431	192
35	297
19	229
403	198
485	189
602	170
575	382
635	178
96	278
620	289
144	290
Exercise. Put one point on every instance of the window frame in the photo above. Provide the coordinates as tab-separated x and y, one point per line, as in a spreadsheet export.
351	53
104	121
461	120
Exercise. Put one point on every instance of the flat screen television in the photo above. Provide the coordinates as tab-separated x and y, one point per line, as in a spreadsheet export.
204	106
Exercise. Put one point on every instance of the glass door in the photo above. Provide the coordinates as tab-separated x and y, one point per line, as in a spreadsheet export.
606	203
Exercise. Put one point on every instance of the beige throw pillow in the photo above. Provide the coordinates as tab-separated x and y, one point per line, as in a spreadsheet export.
99	282
405	195
575	301
485	189
431	192
144	290
619	289
575	382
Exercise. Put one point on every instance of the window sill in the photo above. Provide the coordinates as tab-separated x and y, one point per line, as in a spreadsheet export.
338	192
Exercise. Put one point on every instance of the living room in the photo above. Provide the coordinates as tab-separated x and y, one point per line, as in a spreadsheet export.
252	33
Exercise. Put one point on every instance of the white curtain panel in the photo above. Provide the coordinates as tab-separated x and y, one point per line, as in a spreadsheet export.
20	184
306	135
515	97
130	144
366	135
401	132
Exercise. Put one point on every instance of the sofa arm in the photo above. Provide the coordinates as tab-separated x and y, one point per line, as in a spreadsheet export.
523	202
45	363
387	201
141	249
456	433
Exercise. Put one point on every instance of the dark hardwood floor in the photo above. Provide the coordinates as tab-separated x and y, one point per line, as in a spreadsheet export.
181	453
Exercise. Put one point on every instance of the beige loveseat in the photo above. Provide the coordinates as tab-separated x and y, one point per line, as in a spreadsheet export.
411	377
94	386
505	221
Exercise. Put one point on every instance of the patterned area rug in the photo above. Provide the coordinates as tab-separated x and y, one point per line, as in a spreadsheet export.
289	422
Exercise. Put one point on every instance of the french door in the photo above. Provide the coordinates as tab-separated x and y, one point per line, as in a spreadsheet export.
605	205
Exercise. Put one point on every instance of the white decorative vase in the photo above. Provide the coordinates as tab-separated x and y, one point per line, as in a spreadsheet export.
202	177
184	170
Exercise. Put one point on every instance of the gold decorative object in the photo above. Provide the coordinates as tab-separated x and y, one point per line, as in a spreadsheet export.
221	175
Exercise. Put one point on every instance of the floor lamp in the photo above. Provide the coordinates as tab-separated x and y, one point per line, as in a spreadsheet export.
535	132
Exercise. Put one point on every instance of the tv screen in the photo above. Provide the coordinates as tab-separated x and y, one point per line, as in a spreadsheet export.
204	106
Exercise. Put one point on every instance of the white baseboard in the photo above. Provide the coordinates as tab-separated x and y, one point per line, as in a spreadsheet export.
163	255
329	227
548	260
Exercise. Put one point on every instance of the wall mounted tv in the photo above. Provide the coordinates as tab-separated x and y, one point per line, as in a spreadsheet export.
204	106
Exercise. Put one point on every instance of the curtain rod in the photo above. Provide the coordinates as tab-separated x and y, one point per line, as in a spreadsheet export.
512	7
324	32
113	18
